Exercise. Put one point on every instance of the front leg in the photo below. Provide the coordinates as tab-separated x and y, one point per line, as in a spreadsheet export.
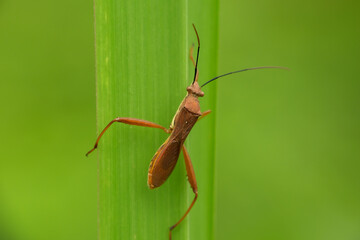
204	114
130	121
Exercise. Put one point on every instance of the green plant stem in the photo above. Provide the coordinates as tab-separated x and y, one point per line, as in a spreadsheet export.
143	69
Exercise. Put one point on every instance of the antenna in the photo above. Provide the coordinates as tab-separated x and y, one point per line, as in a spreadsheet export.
242	70
198	51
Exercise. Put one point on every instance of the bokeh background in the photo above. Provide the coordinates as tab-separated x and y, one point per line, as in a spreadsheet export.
288	148
288	142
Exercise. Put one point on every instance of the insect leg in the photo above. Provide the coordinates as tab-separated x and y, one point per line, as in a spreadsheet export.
192	180
191	54
193	61
131	121
204	114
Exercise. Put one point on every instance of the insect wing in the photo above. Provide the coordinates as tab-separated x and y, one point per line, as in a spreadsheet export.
163	163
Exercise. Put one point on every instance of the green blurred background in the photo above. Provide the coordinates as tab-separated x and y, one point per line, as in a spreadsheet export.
288	142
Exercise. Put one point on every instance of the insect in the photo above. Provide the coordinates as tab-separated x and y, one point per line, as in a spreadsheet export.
188	113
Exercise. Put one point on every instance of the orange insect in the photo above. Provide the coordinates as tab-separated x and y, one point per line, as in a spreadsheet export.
188	113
